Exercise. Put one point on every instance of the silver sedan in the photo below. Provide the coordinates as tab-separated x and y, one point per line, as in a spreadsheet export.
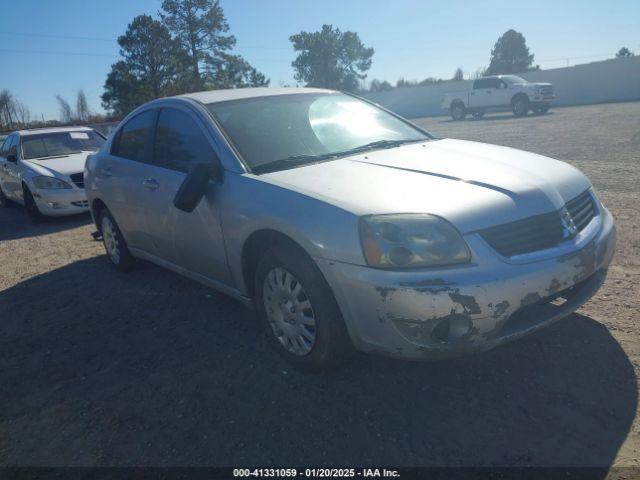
347	227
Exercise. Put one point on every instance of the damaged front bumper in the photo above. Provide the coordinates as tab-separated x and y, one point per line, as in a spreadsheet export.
445	312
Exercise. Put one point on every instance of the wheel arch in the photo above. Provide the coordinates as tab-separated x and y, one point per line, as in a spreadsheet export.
254	248
97	206
517	96
456	101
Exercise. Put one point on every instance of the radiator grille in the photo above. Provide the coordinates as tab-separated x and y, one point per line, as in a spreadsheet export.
541	231
78	179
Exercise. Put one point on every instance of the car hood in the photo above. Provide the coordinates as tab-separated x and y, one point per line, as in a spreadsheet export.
65	165
473	185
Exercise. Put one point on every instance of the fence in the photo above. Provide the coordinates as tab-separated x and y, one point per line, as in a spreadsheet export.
612	80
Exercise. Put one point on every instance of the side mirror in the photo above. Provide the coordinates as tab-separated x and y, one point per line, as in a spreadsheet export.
194	186
12	157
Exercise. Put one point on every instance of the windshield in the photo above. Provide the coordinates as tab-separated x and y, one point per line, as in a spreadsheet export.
513	79
304	127
60	143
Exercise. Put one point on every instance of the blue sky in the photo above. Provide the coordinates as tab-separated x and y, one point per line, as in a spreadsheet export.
412	38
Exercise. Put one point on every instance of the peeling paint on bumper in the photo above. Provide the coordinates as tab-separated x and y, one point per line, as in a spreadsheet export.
445	312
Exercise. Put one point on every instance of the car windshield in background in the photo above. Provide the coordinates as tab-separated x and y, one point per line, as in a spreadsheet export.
60	143
279	131
513	79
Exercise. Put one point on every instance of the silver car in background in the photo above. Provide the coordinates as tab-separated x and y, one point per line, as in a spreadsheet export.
42	169
346	226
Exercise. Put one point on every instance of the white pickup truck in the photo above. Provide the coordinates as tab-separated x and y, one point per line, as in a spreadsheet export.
498	92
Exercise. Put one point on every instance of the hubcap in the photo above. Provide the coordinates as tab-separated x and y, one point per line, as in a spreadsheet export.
110	240
289	311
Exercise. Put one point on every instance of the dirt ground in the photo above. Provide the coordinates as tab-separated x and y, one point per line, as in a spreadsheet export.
148	368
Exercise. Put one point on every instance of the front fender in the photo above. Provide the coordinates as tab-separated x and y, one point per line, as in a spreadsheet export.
249	204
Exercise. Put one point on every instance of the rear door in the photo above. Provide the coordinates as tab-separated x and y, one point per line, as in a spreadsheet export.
477	96
191	240
488	95
122	175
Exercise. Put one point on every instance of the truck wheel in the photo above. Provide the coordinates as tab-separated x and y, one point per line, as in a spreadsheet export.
31	206
298	310
458	112
478	114
114	242
544	108
520	106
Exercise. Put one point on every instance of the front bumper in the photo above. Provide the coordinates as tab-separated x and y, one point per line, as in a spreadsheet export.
54	203
445	312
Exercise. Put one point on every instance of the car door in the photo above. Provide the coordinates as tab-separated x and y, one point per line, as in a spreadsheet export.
488	94
193	240
121	176
477	96
502	94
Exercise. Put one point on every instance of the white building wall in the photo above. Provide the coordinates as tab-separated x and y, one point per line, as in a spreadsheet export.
612	80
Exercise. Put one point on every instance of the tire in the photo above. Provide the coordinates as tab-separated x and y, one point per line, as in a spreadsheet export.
31	207
114	243
298	310
4	201
544	109
458	112
479	114
520	106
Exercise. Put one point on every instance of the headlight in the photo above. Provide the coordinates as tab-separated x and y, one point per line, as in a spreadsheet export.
411	240
49	183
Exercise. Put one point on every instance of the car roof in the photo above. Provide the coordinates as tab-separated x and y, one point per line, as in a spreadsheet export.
38	131
215	96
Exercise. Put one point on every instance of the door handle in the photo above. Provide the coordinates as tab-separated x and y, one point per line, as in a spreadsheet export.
106	172
151	184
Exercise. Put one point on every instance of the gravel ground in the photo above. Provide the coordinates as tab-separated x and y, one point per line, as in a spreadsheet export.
148	368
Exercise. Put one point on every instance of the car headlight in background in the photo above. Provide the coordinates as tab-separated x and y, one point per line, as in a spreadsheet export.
411	240
49	183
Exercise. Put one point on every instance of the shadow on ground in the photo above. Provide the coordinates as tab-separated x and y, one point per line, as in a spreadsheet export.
149	368
14	223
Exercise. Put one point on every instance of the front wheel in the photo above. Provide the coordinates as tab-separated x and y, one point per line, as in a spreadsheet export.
298	310
31	206
520	106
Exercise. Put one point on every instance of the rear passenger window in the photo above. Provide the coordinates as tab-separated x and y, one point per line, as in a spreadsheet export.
132	139
180	142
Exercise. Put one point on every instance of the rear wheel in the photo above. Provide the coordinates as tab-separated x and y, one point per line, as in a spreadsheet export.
114	242
520	106
458	112
31	206
298	310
